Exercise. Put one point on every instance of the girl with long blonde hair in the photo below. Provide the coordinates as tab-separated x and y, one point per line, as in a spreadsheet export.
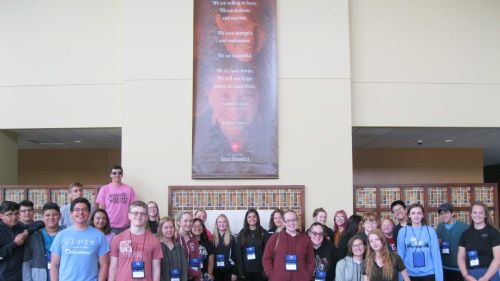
226	258
380	263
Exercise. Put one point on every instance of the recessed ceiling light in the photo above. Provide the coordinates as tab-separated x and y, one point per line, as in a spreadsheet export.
448	140
77	141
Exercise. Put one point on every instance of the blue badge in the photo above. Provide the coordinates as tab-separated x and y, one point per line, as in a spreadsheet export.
473	258
175	274
220	260
291	262
194	263
138	270
250	253
418	259
320	276
445	248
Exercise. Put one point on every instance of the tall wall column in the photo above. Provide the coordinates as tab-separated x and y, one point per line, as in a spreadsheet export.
8	158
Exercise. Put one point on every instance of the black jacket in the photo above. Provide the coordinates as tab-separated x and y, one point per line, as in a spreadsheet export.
325	259
11	255
254	265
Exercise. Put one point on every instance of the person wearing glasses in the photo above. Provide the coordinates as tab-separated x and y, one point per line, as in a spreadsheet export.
398	209
449	232
79	252
136	253
350	268
368	223
115	198
12	239
289	254
325	253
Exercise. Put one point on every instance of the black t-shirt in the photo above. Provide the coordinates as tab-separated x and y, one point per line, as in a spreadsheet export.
325	259
206	249
482	241
378	272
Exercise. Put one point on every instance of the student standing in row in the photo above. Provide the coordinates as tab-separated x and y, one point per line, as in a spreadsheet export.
173	263
26	212
387	227
12	238
340	223
449	232
418	246
36	263
276	223
202	214
79	247
479	247
207	249
100	221
153	217
350	268
75	191
251	242
191	248
325	254
398	209
136	252
382	264
289	255
115	198
320	215
226	251
352	229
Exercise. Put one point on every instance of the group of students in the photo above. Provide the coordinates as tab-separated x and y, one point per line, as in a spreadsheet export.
125	239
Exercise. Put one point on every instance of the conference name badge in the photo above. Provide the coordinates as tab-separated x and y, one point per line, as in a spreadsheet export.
291	262
220	260
175	274
445	248
250	253
138	270
473	258
320	276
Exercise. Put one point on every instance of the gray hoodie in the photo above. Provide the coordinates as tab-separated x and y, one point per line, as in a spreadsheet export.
348	270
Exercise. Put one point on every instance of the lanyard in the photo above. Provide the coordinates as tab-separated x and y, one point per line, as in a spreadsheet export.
132	246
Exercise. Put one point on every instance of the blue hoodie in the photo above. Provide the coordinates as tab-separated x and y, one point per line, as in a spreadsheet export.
422	239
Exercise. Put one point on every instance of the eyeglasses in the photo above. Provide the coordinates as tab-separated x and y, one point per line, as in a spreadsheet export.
358	246
117	173
394	210
317	234
14	214
138	214
80	210
26	211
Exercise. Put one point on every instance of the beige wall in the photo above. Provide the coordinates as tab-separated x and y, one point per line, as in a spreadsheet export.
64	166
425	63
8	158
409	165
129	64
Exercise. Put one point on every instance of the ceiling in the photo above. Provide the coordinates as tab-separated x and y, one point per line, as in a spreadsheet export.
88	138
487	139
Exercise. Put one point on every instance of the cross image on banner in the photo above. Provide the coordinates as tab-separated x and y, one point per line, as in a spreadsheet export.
235	96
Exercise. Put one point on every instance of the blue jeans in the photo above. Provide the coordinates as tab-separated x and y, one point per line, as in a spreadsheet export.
479	272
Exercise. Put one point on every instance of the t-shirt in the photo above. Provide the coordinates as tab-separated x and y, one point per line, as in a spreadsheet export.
79	252
482	241
378	272
128	247
116	201
206	249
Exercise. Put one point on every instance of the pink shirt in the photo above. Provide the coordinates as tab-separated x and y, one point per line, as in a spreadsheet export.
140	248
116	201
